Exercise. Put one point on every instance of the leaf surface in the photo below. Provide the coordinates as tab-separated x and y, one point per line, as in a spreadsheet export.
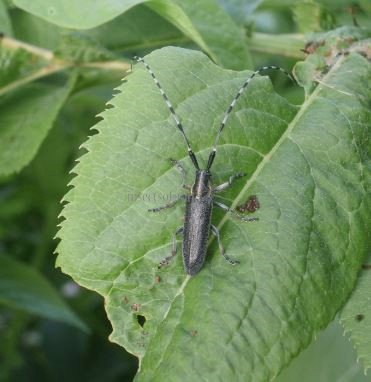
299	263
204	23
356	317
6	24
26	115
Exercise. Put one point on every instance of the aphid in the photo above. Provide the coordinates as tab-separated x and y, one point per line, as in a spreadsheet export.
200	202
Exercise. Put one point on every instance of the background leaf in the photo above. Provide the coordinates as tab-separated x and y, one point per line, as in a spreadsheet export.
24	288
339	365
26	115
240	10
356	317
6	25
298	264
206	24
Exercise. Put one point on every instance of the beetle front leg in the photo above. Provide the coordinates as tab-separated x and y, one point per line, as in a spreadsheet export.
215	231
227	184
182	171
235	214
167	259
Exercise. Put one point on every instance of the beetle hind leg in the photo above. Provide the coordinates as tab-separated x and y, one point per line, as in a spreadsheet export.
215	231
167	259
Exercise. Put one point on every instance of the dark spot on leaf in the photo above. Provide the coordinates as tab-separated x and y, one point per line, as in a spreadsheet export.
141	320
125	299
366	266
51	11
193	333
251	205
360	317
157	279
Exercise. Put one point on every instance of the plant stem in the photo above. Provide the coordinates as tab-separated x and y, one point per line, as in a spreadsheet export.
53	64
288	45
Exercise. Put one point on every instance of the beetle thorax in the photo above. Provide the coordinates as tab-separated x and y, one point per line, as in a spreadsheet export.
202	184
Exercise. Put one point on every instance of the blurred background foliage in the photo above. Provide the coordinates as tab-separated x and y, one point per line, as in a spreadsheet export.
50	328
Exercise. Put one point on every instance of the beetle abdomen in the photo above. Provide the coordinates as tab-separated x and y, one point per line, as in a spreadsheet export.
196	232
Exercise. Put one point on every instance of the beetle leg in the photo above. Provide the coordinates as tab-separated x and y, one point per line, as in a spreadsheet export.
168	205
167	259
182	171
235	214
227	184
215	231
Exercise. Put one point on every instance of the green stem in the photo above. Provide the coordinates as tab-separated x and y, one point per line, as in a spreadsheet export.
288	45
53	64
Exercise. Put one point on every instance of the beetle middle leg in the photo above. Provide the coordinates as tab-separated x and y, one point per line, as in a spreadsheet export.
215	231
229	182
168	205
167	259
238	216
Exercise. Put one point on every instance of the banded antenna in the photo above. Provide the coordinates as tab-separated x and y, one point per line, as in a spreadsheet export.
233	103
226	114
172	111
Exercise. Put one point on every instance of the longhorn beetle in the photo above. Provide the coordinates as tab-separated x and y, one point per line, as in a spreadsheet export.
200	201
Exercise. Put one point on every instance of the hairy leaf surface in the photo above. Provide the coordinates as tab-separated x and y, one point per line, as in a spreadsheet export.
299	263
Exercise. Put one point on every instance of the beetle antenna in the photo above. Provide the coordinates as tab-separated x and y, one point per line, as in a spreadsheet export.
231	106
172	111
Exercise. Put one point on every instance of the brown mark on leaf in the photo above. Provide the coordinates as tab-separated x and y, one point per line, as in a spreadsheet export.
193	333
251	205
135	307
312	46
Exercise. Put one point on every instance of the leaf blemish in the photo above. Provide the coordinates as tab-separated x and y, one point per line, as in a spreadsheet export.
360	317
194	333
135	307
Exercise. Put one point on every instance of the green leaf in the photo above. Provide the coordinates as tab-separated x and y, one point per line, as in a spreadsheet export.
225	41
356	317
5	23
326	48
22	287
329	358
151	31
206	24
240	10
298	263
310	16
26	115
34	30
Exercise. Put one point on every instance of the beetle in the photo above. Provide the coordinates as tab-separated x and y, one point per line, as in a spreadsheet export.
200	201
